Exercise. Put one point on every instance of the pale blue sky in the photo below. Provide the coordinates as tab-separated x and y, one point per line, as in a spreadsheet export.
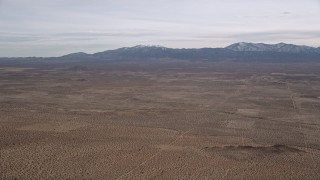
58	27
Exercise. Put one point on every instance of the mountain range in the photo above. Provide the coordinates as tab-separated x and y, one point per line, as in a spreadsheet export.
241	51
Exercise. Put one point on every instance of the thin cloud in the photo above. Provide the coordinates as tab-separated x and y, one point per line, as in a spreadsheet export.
292	34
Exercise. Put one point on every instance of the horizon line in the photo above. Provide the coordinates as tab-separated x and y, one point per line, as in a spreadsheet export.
158	46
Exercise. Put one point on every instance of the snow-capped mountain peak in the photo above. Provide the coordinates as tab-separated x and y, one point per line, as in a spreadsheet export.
280	47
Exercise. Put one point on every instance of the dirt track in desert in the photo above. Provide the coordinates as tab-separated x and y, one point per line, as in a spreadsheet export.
171	120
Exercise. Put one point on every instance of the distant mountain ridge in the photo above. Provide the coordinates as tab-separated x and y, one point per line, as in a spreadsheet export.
142	50
280	47
241	51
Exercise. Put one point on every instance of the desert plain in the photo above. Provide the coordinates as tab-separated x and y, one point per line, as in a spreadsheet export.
159	119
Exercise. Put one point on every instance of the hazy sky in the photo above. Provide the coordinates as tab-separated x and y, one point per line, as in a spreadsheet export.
57	27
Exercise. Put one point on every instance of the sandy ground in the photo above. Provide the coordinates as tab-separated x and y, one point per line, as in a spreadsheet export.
165	121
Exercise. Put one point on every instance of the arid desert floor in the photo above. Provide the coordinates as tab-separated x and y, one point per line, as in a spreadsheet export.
168	120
